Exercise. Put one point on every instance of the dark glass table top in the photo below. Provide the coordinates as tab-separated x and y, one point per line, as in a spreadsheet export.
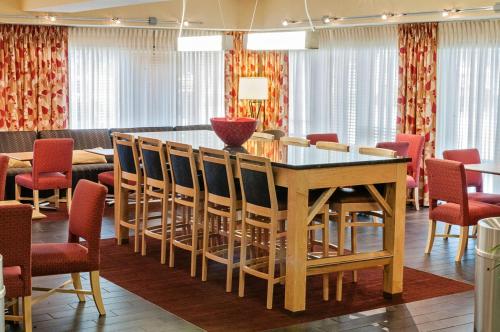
286	156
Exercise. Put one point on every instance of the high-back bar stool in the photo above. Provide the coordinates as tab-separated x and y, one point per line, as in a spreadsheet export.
222	201
265	209
351	201
156	186
130	182
187	192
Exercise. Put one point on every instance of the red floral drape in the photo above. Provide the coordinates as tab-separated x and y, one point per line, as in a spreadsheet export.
33	77
417	87
271	64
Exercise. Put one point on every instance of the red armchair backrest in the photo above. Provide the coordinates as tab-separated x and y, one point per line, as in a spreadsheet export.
15	240
328	137
85	217
467	156
4	164
447	183
52	155
415	152
401	148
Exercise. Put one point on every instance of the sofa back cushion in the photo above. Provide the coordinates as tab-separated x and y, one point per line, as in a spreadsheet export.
194	127
84	138
17	141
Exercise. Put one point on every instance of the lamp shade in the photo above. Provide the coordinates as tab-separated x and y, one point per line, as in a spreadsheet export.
253	88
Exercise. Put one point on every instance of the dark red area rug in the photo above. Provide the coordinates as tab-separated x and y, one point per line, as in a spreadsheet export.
207	305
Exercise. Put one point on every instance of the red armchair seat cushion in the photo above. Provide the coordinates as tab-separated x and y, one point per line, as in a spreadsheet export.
107	178
410	182
59	258
46	181
485	198
13	282
450	212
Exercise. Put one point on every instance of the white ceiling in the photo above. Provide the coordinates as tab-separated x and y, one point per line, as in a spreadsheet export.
234	14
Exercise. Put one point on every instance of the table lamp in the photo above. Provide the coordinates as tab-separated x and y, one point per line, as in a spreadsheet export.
254	89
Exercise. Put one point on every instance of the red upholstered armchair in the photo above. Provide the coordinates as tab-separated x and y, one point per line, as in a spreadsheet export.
327	137
52	169
401	148
474	179
4	164
415	152
15	247
85	221
447	183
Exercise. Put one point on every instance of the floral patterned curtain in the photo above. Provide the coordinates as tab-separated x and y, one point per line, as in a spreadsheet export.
33	77
417	87
271	64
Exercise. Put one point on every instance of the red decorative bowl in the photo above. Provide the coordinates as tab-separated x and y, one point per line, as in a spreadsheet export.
234	132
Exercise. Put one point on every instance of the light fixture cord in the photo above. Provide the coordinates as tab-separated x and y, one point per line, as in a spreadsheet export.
253	15
306	5
221	13
182	17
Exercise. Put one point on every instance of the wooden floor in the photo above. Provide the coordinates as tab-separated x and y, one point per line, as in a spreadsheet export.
128	312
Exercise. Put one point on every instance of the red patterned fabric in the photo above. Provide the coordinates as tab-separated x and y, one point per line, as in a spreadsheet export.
417	88
327	137
415	149
107	178
85	221
15	247
467	156
240	62
401	148
447	183
52	165
34	76
4	165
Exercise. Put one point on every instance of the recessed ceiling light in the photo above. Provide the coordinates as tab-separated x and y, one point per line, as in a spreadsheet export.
285	23
51	18
326	19
186	23
384	16
116	20
445	13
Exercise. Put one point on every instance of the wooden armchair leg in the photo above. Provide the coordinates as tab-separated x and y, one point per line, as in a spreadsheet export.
77	284
18	192
430	237
447	230
56	198
96	292
36	200
69	195
416	200
464	238
28	325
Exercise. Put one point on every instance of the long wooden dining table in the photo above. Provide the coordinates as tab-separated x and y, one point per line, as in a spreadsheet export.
301	169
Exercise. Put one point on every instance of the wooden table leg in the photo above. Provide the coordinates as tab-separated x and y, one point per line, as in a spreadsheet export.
296	254
394	234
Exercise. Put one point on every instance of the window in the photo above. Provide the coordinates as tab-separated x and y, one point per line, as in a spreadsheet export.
295	40
468	90
135	77
348	86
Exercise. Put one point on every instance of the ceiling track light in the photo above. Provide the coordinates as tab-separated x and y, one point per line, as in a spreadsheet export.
286	22
328	19
116	21
51	18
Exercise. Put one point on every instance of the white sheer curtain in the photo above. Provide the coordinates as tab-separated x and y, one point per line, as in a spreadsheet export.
135	77
468	113
348	86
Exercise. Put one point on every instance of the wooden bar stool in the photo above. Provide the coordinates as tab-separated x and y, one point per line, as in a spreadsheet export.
263	225
130	182
187	192
156	186
223	201
348	202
